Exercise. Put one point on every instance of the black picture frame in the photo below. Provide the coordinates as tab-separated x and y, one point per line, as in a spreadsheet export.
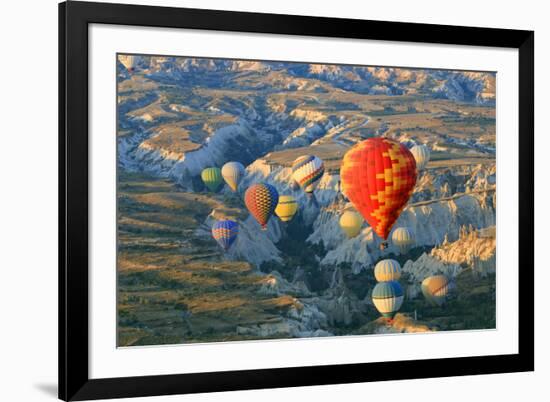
74	18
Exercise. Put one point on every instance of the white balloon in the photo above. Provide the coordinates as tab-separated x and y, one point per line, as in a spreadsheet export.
421	155
232	173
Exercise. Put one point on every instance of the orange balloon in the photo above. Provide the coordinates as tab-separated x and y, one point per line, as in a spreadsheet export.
378	177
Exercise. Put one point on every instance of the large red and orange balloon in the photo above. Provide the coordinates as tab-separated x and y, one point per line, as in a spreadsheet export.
378	176
261	200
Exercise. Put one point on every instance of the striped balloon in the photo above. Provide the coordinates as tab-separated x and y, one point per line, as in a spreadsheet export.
225	233
378	176
402	238
421	155
387	297
307	171
212	178
436	288
261	200
387	270
232	173
286	208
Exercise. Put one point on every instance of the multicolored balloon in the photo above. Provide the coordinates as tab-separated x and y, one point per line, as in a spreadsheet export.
286	207
225	233
232	173
387	270
387	297
378	176
436	288
421	155
261	200
212	178
351	223
402	238
307	170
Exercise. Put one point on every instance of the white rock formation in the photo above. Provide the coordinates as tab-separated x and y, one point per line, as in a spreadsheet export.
428	222
475	250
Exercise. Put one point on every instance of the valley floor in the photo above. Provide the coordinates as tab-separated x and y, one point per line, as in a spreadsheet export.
175	285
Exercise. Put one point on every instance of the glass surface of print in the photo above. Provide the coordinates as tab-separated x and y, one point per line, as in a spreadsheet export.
256	198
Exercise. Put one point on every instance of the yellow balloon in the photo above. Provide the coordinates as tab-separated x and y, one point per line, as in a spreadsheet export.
286	208
130	62
351	223
436	289
387	270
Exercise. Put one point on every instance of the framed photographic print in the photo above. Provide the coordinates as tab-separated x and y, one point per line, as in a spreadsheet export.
257	201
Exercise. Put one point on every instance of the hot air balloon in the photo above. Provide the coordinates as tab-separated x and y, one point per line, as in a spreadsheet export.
307	171
378	176
387	298
232	173
402	238
387	270
212	178
421	155
130	62
351	223
286	207
436	288
225	232
261	200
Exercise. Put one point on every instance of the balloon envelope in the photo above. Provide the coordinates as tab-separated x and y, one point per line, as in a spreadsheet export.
402	238
378	176
232	173
307	170
436	288
261	200
286	207
387	297
212	178
130	62
225	233
421	155
387	270
351	223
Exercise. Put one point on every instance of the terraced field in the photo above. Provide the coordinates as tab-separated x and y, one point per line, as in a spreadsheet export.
174	286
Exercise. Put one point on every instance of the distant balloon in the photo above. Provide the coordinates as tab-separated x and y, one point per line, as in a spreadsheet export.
387	270
387	298
436	288
421	155
232	173
351	223
130	62
212	178
402	238
225	233
307	171
286	208
261	200
369	237
378	176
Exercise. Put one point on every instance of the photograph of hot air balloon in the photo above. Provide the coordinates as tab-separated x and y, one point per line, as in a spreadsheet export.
274	199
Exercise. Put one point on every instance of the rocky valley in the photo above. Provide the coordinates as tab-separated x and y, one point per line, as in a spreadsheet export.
305	277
